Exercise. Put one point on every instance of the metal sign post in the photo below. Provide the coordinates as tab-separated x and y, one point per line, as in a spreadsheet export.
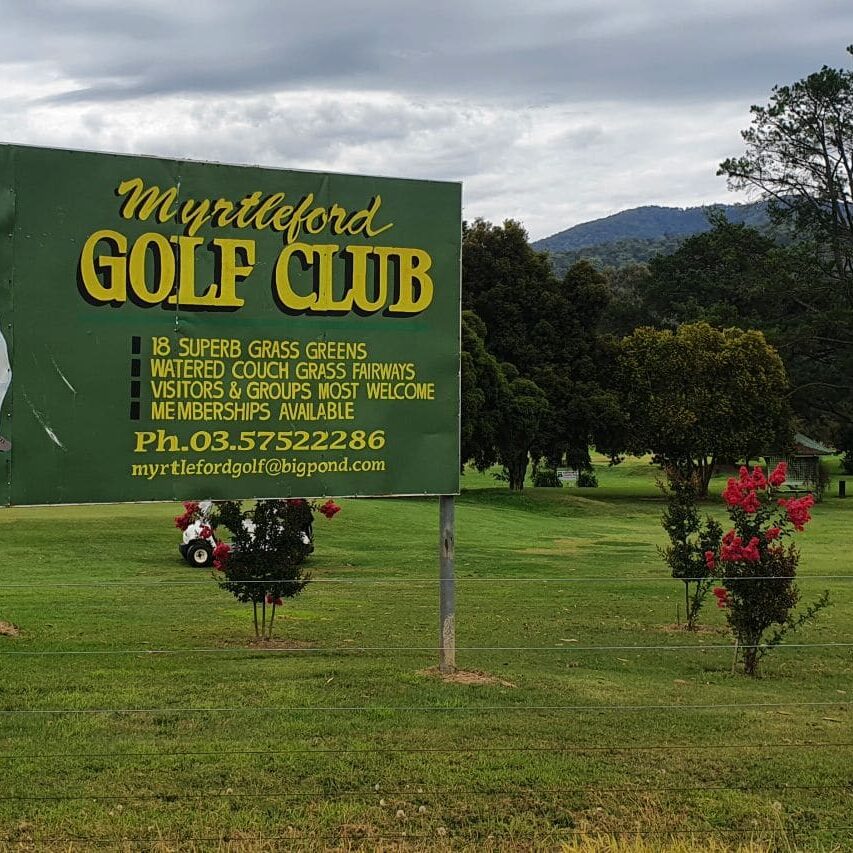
447	585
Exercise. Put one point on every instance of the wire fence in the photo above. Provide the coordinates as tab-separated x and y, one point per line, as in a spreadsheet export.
416	581
24	794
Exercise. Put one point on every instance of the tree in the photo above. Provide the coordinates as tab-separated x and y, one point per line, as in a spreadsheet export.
484	391
568	368
799	157
546	328
264	562
732	275
689	540
845	446
505	282
625	310
698	396
525	406
756	569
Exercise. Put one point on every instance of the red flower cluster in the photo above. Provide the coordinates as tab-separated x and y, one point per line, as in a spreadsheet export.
750	503
206	532
772	533
330	509
276	601
722	596
779	475
296	501
710	561
182	522
798	510
733	550
743	492
220	555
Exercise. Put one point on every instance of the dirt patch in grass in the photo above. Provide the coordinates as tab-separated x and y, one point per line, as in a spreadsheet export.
7	629
465	676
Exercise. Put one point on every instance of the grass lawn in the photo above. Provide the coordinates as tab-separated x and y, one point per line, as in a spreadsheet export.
338	738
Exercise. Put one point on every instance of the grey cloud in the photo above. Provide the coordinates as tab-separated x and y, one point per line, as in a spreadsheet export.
552	111
501	51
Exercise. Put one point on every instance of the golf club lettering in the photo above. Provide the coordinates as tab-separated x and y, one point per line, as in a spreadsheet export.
113	270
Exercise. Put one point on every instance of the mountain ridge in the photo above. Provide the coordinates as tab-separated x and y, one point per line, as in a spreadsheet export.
648	223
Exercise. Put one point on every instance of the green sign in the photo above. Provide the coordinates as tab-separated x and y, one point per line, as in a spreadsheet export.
179	330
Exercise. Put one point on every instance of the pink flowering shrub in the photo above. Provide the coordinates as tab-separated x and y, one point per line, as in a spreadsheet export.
756	563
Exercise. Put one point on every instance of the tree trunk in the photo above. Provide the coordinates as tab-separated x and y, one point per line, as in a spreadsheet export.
750	661
272	619
750	655
691	609
705	470
517	468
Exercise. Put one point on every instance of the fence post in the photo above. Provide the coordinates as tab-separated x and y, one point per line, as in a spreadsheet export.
447	585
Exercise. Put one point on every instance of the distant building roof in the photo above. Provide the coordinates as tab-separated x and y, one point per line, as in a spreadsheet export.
805	446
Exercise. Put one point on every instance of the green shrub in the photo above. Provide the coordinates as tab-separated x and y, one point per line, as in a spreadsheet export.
547	478
587	480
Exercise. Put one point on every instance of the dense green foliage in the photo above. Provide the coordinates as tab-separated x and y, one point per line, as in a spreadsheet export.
616	253
732	275
799	158
736	276
543	333
483	394
265	561
699	396
845	441
690	537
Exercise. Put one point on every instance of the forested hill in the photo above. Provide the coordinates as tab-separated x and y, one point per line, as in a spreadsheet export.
639	233
650	222
617	253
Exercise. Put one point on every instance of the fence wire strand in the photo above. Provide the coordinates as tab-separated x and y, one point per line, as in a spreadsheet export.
515	794
39	585
261	651
438	709
467	750
228	838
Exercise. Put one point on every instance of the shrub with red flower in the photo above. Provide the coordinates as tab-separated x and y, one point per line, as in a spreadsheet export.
330	509
220	555
722	596
756	569
797	510
264	563
778	475
192	513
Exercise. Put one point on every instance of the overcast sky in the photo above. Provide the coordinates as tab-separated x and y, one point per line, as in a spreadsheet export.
552	112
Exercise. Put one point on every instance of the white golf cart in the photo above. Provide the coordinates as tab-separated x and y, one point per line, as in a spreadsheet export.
197	548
